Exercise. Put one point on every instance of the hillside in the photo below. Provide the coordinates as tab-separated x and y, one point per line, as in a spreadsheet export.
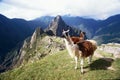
109	30
12	32
44	57
58	65
33	48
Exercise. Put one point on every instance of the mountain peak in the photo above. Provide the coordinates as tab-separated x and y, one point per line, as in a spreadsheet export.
58	19
56	26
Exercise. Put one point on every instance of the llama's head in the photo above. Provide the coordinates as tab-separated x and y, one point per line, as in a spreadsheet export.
65	33
84	33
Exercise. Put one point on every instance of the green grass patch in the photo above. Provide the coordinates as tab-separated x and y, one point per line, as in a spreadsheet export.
105	54
60	66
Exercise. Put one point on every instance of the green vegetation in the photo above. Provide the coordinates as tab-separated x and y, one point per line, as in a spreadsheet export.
60	66
104	54
50	61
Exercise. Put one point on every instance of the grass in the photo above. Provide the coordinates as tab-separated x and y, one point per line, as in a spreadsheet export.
60	66
104	54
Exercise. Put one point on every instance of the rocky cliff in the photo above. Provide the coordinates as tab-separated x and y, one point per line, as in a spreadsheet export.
32	49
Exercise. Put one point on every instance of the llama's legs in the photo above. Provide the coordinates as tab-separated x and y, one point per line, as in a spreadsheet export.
81	64
89	59
76	61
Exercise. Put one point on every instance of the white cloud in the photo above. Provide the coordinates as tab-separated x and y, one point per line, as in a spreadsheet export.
30	9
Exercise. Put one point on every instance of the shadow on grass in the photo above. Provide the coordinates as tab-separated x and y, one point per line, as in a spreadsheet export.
101	64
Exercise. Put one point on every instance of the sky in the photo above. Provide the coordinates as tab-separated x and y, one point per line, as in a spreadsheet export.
31	9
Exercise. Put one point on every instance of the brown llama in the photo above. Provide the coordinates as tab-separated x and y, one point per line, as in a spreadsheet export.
81	50
78	39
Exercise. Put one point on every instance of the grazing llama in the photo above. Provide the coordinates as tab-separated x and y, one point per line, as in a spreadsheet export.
82	49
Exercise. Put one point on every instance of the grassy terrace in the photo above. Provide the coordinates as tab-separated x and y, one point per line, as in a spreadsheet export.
60	66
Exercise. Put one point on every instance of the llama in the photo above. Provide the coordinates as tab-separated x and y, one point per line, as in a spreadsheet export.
82	49
78	39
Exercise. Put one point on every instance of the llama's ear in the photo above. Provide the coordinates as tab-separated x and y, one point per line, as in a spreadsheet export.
68	30
84	32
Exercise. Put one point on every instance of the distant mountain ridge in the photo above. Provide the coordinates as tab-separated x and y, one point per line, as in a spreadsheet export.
87	25
96	29
108	31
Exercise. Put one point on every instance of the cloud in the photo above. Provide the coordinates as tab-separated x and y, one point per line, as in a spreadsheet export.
29	9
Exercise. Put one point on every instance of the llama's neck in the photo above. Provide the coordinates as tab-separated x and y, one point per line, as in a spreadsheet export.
69	46
70	40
